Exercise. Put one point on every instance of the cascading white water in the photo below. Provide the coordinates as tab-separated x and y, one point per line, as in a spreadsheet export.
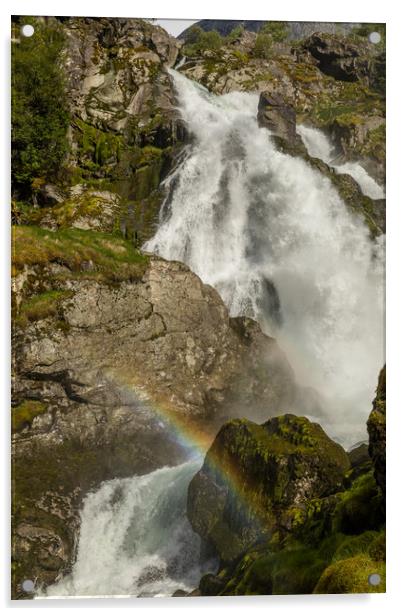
278	243
319	146
135	538
274	237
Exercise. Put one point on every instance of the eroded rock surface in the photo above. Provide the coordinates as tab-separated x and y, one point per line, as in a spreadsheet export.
101	368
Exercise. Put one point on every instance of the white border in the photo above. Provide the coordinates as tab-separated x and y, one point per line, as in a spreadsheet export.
294	10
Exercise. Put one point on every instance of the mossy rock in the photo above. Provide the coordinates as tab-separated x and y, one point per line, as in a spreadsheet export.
24	414
360	507
359	544
253	474
40	306
351	576
376	427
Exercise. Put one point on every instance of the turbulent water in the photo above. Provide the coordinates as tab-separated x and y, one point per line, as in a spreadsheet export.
278	243
135	538
319	146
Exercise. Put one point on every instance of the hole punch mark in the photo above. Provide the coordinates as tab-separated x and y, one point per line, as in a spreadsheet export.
374	37
27	30
28	586
374	579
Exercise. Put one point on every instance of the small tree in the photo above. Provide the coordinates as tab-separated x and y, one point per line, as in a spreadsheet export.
278	30
39	113
193	34
263	46
235	33
203	41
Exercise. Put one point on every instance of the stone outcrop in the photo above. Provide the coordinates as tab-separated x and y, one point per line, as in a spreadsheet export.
376	427
279	118
338	57
125	132
253	474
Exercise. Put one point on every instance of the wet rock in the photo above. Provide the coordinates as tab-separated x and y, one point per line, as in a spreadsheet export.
278	117
376	427
253	474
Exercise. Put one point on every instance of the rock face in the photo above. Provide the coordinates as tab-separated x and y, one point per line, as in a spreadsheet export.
109	348
279	118
376	427
254	473
339	57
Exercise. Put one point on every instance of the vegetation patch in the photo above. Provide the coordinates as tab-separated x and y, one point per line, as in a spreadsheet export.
39	112
41	306
101	255
24	414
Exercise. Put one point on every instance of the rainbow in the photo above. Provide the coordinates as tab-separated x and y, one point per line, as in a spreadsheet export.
197	439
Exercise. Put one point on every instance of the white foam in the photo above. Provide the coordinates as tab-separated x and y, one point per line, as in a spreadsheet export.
135	539
240	213
319	146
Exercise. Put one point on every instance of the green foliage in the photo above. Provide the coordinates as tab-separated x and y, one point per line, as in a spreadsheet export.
235	34
278	30
263	46
203	41
39	111
194	34
351	576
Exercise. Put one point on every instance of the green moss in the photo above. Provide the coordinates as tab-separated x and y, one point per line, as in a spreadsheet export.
360	507
24	414
374	145
101	255
88	206
40	306
351	576
352	546
377	549
283	573
150	154
97	147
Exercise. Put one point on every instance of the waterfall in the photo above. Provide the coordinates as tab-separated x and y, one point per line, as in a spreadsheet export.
273	236
319	146
135	538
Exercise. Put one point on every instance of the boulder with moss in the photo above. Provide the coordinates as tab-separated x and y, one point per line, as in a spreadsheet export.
376	427
254	474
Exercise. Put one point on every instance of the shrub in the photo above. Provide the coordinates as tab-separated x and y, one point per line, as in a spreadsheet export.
39	112
278	30
263	46
203	41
